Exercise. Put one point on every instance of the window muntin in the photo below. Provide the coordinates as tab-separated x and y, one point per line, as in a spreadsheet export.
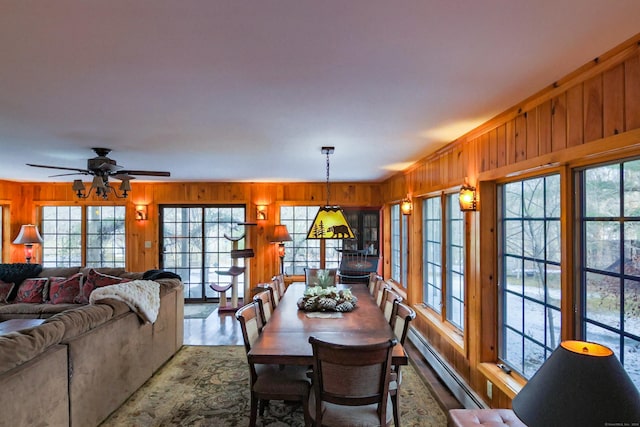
105	236
455	262
432	253
530	272
61	230
610	265
195	246
301	252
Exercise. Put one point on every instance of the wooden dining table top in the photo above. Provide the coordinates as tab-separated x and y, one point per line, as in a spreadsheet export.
285	337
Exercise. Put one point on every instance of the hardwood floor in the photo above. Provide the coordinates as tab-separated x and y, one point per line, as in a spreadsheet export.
224	329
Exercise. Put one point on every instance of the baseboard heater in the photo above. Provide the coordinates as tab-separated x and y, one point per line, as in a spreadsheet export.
456	384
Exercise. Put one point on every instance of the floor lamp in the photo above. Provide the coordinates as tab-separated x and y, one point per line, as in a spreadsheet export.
281	235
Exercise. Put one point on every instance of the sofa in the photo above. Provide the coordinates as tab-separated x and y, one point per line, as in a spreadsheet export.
85	359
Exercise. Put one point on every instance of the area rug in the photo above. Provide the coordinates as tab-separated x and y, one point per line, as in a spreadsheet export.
209	386
198	311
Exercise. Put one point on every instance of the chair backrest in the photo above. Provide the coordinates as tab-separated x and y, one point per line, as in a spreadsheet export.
250	323
265	304
400	319
381	285
279	282
273	289
389	298
351	375
320	276
373	281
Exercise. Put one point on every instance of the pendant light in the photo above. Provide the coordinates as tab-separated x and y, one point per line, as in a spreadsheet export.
330	222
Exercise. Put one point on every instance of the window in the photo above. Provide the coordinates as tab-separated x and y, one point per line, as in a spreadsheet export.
529	272
432	253
302	252
455	262
194	246
62	230
452	266
610	260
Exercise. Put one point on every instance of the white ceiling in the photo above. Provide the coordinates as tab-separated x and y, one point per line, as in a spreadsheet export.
239	90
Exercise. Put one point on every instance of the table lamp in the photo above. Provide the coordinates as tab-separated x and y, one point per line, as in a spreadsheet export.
28	235
281	235
580	384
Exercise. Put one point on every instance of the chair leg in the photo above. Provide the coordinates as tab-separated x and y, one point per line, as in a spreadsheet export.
254	410
396	408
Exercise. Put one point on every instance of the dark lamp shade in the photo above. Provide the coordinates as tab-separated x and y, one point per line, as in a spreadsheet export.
280	234
580	384
330	223
28	235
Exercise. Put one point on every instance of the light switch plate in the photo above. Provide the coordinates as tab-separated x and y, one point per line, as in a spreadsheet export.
147	244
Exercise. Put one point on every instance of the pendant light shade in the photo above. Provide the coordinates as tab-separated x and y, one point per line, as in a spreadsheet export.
330	222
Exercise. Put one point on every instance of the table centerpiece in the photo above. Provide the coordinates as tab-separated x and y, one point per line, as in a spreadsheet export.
318	298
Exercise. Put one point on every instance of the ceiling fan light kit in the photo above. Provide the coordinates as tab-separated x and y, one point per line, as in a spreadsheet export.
102	167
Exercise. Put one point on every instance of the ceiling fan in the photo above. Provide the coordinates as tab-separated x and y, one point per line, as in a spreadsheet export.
102	167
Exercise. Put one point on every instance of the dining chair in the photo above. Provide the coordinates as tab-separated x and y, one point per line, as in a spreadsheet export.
381	285
273	290
280	286
265	305
351	384
270	382
373	281
323	277
400	319
389	298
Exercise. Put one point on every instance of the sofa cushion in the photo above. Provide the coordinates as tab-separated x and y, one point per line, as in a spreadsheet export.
31	290
16	273
17	348
5	290
95	279
82	319
64	290
59	271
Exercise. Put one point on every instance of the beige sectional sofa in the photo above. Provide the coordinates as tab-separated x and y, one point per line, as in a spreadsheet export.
85	360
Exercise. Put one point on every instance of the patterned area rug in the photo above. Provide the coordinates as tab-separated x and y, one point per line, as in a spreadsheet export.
208	386
199	311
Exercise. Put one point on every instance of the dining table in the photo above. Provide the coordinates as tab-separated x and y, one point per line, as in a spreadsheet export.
285	338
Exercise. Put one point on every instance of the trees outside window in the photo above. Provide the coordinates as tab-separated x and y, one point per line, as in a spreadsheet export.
529	276
610	260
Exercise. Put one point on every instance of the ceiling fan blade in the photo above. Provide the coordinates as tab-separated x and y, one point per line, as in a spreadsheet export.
147	173
67	174
61	168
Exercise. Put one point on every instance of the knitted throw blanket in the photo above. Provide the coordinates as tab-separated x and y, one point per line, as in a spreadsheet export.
142	297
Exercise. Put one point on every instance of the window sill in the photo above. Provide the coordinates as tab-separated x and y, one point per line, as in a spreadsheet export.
451	334
509	384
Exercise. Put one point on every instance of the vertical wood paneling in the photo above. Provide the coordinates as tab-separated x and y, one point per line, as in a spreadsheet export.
544	127
575	129
632	92
613	100
484	152
501	135
559	122
521	138
532	133
510	137
493	149
593	109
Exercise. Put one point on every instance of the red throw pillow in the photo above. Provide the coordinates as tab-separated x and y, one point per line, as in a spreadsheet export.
95	280
5	290
64	290
31	290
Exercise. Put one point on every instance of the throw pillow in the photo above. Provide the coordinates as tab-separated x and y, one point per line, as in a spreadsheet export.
31	290
64	290
5	289
95	280
159	274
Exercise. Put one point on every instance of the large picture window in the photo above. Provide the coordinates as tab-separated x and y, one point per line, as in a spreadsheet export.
432	253
63	228
610	264
530	272
455	262
301	252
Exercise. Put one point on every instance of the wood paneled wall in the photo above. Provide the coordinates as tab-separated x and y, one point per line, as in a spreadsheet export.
593	114
23	200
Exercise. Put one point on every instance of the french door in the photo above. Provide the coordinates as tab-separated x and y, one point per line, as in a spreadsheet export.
194	246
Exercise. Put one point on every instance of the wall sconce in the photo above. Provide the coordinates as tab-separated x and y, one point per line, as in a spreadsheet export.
261	212
141	213
406	206
467	198
28	236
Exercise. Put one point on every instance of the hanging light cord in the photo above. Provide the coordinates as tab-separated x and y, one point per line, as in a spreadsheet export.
328	187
